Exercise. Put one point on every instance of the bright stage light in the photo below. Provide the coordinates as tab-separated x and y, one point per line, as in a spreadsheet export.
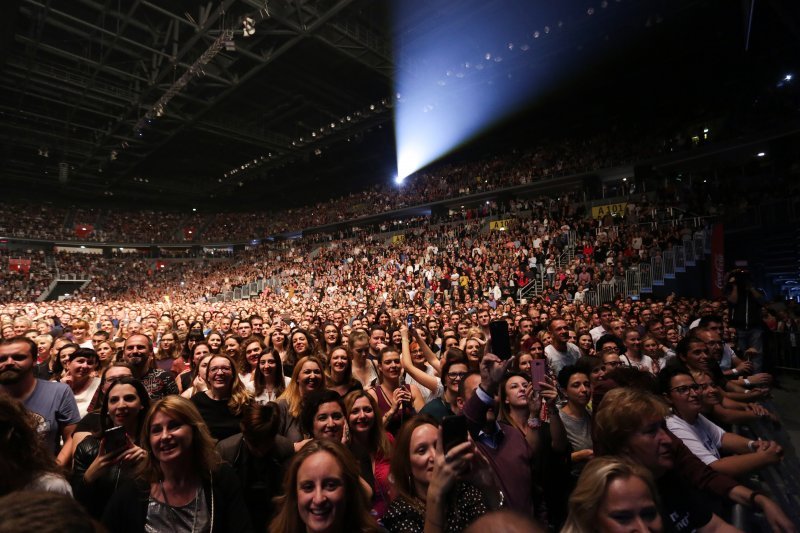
462	75
398	180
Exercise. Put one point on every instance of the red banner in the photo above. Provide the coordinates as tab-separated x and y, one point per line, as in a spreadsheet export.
83	230
717	263
19	265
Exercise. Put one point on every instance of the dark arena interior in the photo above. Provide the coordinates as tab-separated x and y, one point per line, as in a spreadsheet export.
360	265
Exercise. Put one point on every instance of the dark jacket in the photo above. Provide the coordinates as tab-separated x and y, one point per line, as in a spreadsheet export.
260	477
95	496
127	509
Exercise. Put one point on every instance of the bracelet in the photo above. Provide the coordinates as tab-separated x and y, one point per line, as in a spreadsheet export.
752	445
534	422
753	496
734	372
747	383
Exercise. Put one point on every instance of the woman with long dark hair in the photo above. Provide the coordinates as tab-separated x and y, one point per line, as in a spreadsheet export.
269	382
96	469
367	432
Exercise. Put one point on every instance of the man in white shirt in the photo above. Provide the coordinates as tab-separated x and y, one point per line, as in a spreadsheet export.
560	352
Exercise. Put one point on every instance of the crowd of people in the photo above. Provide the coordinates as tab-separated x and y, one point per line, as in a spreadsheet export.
370	387
389	379
550	159
403	415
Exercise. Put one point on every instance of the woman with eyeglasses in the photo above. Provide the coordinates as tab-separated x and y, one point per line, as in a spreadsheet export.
725	452
455	368
222	403
331	336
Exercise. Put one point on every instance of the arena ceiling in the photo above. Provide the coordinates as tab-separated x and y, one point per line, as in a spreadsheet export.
163	102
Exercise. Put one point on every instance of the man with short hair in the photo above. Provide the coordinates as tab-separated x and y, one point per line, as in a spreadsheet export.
52	403
605	324
257	323
560	352
98	337
377	339
138	352
225	325
245	329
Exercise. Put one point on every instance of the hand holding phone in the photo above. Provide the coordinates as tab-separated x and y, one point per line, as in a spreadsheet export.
501	342
115	439
454	431
538	374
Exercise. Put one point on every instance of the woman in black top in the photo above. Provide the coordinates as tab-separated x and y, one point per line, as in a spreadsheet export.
221	405
96	472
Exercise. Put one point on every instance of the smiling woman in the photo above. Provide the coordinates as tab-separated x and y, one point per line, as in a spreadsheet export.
183	485
323	493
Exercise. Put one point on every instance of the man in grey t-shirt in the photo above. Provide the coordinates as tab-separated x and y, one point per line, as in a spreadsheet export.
52	403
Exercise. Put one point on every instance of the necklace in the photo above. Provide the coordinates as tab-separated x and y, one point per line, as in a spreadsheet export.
169	506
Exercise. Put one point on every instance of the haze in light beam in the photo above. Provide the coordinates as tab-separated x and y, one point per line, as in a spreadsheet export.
464	65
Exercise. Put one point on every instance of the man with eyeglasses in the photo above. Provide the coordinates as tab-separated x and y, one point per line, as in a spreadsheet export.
705	439
138	352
